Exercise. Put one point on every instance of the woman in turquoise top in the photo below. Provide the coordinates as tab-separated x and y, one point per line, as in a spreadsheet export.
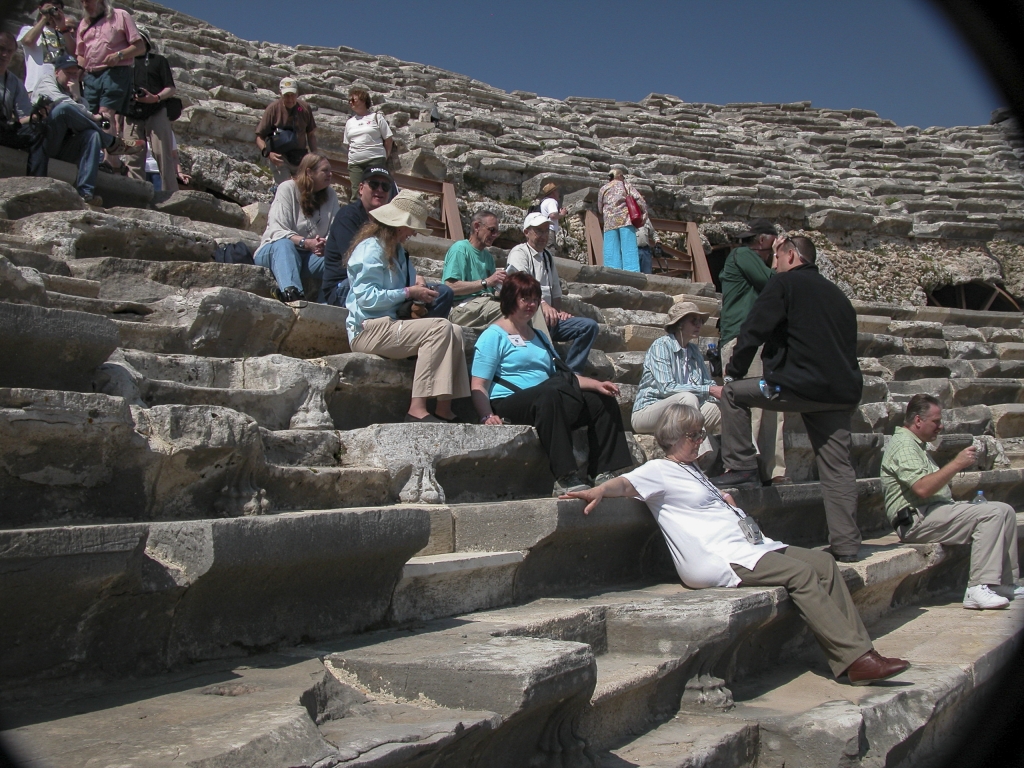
382	280
516	379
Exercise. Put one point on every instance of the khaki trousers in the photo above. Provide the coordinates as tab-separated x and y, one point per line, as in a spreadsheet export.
645	421
157	132
990	529
766	427
478	312
819	593
437	344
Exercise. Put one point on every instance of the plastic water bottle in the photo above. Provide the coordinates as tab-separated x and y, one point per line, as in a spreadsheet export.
770	391
979	498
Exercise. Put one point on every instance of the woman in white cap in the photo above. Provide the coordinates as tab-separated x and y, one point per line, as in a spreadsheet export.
675	373
300	217
392	312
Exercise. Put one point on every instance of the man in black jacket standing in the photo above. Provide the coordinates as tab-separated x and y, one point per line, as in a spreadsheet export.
809	331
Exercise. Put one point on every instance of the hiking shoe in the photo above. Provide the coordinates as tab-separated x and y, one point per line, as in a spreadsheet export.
737	478
604	477
93	200
126	146
569	483
290	294
981	598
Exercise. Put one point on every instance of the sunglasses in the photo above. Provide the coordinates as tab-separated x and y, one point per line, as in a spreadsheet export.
697	437
378	186
492	230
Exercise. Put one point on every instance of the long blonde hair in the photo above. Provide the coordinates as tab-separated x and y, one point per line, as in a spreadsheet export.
388	237
309	200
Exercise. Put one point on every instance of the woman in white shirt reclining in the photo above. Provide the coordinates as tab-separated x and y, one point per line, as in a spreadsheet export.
714	544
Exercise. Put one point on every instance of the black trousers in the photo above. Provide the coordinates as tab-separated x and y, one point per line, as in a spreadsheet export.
556	411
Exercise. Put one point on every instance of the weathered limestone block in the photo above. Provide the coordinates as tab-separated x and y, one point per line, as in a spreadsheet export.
628	366
220	233
62	451
88	234
876	390
225	322
432	463
872	324
878	345
278	392
25	196
147	597
147	281
926	347
910	367
638	338
616	316
256	217
1008	420
21	285
971	350
202	206
390	381
962	333
917	329
1010	350
47	348
318	330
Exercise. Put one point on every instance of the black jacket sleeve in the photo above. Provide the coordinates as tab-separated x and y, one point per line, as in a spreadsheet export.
766	315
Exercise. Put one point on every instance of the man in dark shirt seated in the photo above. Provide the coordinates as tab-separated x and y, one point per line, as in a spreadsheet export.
374	191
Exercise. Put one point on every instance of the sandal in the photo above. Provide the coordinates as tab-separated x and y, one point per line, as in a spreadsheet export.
126	146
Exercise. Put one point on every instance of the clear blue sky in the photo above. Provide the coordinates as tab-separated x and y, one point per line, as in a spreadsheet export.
900	58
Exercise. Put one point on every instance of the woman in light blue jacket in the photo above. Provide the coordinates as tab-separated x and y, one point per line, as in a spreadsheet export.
394	313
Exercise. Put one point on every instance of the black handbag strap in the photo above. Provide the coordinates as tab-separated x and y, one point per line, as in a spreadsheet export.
560	366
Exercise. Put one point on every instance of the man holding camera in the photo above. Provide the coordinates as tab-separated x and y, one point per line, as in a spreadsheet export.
52	36
920	506
286	132
72	133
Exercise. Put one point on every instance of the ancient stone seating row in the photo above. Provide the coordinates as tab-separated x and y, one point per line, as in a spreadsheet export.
606	669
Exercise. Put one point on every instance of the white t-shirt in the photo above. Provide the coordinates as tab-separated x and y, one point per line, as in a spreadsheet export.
39	58
701	531
548	206
365	136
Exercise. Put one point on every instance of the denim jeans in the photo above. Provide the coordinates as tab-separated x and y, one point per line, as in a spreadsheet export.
290	264
620	249
646	260
73	136
582	332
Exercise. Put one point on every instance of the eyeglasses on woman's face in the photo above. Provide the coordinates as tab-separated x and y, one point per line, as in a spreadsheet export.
697	437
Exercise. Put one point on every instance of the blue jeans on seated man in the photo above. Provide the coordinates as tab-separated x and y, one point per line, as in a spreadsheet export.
73	136
289	263
646	259
582	332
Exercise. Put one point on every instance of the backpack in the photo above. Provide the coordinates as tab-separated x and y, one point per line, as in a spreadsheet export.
535	208
233	253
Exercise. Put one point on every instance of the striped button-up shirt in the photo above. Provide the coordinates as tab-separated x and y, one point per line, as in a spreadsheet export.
669	369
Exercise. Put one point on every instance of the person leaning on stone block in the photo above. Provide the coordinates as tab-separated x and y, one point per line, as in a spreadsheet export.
374	191
809	332
534	258
469	271
920	506
293	116
713	544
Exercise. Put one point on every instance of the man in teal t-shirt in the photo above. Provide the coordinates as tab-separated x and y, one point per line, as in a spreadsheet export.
469	271
744	275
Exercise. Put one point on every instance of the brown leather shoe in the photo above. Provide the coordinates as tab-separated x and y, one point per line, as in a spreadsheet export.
872	667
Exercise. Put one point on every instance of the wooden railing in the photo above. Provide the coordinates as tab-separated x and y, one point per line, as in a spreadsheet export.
449	226
692	263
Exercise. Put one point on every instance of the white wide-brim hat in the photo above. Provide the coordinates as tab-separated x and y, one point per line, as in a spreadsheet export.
407	209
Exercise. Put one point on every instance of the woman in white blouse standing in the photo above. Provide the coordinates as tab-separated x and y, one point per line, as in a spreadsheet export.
300	217
715	544
368	136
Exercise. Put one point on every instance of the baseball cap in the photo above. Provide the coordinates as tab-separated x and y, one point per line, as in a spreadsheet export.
289	85
758	227
376	170
535	219
65	62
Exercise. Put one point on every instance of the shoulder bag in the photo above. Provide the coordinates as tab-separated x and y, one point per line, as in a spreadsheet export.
636	213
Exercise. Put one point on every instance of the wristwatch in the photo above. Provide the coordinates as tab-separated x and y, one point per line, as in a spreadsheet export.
483	284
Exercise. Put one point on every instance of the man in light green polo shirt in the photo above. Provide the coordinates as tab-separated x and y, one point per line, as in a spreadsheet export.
920	506
469	271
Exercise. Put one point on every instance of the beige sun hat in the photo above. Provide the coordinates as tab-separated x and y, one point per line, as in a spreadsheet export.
407	209
681	310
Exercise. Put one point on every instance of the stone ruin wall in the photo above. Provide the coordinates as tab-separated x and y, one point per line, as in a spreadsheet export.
895	210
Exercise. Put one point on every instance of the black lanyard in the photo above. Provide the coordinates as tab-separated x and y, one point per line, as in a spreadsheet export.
696	473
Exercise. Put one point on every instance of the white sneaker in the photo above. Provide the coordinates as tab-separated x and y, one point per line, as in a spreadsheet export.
1010	591
982	598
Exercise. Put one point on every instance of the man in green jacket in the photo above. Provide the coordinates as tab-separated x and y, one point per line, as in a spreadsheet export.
745	273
